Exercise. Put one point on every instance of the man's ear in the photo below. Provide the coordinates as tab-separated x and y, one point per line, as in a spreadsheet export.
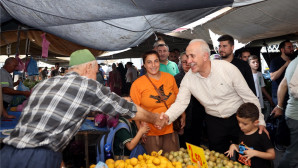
206	56
89	68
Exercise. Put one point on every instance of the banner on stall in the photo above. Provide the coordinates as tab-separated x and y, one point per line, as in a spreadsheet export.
197	155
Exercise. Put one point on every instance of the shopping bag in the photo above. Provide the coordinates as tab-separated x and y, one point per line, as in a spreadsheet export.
32	68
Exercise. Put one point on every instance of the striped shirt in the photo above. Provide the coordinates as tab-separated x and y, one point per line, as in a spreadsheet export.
221	93
57	108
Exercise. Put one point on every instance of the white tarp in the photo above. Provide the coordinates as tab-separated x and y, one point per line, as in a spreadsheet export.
262	20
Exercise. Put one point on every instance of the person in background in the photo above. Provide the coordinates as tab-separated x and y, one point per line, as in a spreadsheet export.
62	72
7	84
142	71
174	57
156	91
255	150
99	77
115	80
131	76
44	73
100	70
165	64
56	110
56	71
226	47
245	53
277	69
279	65
253	62
39	73
122	71
158	42
193	111
220	87
290	84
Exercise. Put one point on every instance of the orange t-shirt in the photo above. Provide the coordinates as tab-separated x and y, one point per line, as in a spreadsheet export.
143	94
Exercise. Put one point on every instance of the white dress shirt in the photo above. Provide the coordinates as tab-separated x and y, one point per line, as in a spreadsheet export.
221	93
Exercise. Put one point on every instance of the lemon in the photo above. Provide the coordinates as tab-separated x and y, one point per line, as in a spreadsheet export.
110	161
156	161
140	157
133	161
110	165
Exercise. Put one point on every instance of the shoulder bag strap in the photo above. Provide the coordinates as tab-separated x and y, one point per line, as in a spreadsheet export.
159	94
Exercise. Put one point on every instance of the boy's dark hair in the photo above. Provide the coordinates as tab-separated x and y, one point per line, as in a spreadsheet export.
282	44
226	38
248	110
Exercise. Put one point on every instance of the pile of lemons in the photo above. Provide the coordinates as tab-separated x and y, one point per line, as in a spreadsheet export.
155	160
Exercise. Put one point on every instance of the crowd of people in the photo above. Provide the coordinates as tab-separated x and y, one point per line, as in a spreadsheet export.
222	98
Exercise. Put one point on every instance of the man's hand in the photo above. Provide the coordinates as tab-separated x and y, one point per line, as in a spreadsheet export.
162	121
277	112
26	93
263	128
16	83
127	99
182	120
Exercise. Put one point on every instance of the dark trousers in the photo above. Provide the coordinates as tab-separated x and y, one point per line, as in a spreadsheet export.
290	158
221	132
11	157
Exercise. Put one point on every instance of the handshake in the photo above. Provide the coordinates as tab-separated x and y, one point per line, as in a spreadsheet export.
161	120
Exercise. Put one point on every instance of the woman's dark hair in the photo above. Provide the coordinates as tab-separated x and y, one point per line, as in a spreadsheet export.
144	56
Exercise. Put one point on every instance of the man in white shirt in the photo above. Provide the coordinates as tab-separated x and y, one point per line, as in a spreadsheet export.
220	87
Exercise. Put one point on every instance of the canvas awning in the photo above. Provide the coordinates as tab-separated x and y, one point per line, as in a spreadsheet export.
110	25
264	20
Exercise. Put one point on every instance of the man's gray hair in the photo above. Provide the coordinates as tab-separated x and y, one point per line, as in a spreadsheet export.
82	65
204	46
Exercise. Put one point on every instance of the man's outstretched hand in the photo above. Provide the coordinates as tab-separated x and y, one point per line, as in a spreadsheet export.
161	121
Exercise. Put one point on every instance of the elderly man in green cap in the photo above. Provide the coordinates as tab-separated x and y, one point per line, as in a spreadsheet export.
56	110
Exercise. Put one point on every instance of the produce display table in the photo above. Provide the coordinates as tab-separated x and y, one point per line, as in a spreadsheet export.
86	129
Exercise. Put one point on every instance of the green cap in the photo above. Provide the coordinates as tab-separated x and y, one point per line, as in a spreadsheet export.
80	57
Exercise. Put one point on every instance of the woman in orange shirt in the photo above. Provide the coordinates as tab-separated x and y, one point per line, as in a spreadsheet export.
144	94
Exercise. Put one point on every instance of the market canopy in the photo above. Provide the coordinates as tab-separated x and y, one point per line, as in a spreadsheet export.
265	20
113	24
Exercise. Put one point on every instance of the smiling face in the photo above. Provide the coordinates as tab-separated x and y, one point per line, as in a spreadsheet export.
151	63
196	57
